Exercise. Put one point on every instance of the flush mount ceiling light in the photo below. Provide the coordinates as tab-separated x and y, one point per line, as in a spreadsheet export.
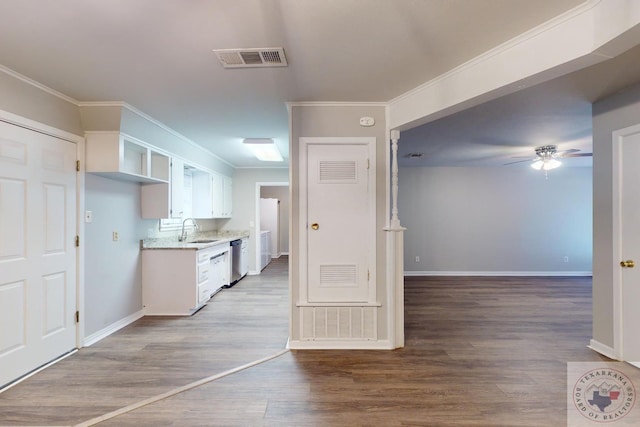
264	149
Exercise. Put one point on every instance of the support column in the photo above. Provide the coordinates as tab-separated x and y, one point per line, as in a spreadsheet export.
395	255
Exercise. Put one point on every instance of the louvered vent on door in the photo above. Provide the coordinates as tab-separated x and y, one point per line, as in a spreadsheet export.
338	171
338	275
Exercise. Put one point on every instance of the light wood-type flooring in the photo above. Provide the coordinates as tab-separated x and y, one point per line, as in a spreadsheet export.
479	352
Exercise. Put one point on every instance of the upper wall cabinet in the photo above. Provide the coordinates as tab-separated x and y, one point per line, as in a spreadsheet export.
221	188
171	188
119	156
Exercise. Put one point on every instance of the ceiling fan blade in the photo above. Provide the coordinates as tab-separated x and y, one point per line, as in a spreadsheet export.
519	161
563	153
579	155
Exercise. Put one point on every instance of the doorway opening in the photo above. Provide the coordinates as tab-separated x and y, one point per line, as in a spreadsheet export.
272	222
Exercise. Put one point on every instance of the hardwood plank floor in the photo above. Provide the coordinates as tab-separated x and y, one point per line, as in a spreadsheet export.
479	352
239	325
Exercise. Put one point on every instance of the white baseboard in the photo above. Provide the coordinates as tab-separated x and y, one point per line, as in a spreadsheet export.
253	273
339	345
604	350
284	253
105	332
498	273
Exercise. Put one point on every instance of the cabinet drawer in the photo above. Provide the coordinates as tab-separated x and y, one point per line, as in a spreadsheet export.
203	271
203	256
204	292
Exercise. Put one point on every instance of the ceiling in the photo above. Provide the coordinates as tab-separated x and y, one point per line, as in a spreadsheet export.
557	112
157	56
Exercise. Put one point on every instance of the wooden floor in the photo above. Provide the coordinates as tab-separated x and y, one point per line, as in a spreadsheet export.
479	352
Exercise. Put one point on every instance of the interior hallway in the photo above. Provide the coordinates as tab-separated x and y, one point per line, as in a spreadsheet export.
479	351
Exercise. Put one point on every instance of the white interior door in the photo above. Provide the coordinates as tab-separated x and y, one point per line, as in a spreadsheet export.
628	156
37	250
340	221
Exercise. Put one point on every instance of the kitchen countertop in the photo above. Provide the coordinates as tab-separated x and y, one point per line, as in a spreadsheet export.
173	243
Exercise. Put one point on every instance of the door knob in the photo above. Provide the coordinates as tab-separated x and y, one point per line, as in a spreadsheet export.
315	226
628	263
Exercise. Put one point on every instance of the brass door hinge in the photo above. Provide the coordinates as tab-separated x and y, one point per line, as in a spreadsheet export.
77	317
77	165
77	241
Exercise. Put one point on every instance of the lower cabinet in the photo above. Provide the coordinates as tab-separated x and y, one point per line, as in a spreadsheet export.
178	282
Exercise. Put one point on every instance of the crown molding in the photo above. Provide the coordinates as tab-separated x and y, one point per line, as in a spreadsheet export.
38	85
336	104
509	44
158	123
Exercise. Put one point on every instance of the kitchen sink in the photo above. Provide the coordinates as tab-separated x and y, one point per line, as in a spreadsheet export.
203	241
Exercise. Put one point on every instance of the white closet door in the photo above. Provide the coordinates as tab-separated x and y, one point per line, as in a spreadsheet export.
628	150
340	233
37	250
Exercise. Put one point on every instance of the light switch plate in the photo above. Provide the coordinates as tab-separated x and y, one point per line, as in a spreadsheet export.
88	216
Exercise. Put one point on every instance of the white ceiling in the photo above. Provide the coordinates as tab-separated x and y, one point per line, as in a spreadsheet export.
557	112
157	56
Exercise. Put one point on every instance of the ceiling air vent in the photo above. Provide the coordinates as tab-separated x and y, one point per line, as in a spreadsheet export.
251	58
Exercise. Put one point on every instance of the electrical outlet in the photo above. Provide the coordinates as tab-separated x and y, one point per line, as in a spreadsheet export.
88	216
417	259
566	259
115	236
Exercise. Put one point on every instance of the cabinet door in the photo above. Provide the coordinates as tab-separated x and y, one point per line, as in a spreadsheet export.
202	201
217	195
228	197
177	188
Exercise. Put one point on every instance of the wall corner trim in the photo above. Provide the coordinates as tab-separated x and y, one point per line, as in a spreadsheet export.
603	349
114	327
500	273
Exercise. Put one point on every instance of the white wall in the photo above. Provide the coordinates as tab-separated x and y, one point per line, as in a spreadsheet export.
26	100
113	275
340	121
508	219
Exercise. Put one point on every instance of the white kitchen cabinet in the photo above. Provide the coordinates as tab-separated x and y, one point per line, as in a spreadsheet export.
202	202
219	273
118	156
221	193
217	195
227	192
167	200
178	282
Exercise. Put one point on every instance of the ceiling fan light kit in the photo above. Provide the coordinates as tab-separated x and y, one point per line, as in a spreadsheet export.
546	164
546	158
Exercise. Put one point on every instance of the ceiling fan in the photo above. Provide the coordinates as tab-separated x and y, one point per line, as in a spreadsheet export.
547	157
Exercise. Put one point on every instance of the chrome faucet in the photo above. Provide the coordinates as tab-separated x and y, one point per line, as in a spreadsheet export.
183	234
